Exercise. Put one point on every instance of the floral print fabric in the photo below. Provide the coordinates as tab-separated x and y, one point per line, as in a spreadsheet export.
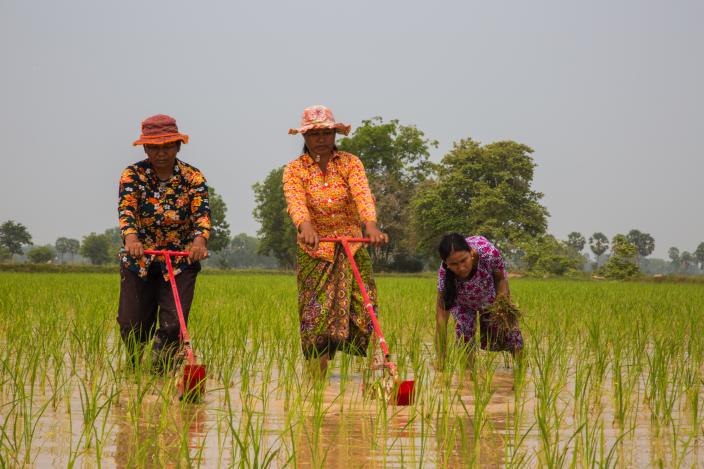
475	294
336	203
330	304
165	215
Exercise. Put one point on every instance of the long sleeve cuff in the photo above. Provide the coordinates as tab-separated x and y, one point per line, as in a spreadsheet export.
128	231
202	232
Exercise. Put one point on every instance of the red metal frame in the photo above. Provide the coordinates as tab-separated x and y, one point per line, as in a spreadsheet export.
367	302
185	340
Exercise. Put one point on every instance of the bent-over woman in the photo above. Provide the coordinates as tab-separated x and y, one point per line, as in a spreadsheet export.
328	196
471	276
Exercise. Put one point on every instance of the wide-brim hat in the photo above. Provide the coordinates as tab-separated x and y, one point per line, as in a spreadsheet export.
158	130
319	117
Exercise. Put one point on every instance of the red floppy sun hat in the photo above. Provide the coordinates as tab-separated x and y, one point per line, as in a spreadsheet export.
319	117
158	130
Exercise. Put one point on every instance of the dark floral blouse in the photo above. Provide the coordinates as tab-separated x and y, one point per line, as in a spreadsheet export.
166	215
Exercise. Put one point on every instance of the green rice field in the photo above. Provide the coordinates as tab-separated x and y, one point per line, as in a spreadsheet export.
613	377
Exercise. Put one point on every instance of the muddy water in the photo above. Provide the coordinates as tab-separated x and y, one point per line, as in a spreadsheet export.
348	433
144	425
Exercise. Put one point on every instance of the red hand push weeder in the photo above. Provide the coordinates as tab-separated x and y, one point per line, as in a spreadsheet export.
193	374
404	390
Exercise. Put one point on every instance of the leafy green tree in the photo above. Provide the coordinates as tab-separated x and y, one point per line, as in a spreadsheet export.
657	266
245	251
66	246
396	161
4	254
242	253
576	241
96	247
644	243
545	254
13	236
277	233
482	190
115	243
220	232
599	244
623	262
674	254
686	262
61	247
391	149
73	247
699	255
41	254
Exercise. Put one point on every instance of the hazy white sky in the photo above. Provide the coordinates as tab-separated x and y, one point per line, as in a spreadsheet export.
607	93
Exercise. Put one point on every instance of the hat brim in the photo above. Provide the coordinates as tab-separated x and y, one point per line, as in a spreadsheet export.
339	127
160	139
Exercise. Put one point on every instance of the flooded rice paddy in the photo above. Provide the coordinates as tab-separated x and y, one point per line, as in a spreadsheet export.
612	377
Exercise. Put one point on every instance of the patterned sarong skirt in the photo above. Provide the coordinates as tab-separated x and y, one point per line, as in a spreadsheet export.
330	304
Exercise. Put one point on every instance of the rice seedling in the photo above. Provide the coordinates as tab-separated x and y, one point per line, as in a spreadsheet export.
611	375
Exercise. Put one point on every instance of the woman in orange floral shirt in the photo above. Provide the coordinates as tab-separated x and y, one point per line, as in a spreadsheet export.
328	196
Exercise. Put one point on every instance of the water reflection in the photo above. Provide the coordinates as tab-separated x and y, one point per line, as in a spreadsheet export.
160	431
335	426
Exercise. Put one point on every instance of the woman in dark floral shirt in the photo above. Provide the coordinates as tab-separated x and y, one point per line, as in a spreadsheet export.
163	204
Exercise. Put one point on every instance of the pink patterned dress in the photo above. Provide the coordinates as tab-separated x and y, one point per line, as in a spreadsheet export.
477	292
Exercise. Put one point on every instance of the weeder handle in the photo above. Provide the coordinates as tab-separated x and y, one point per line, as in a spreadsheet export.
349	240
177	300
155	252
365	295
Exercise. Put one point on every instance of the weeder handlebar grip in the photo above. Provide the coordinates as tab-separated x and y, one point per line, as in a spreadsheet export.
154	252
349	240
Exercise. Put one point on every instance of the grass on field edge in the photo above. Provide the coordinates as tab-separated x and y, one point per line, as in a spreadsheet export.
114	268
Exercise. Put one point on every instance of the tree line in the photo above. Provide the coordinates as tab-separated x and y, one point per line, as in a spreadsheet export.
227	251
476	188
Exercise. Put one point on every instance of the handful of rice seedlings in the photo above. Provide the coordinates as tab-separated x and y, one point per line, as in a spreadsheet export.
503	314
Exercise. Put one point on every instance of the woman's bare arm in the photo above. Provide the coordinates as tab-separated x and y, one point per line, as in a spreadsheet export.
501	283
441	317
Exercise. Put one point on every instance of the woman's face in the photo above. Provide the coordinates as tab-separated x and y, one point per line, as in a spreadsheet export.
460	263
162	157
320	141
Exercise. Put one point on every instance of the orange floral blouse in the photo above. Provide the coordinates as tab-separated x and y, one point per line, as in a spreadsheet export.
337	203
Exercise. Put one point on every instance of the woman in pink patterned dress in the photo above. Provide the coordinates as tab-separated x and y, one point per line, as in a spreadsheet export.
470	277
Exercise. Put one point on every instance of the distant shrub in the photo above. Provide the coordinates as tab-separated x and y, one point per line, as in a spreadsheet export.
406	265
41	254
623	262
545	255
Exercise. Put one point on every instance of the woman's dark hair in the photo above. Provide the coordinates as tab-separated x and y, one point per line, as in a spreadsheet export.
305	148
450	243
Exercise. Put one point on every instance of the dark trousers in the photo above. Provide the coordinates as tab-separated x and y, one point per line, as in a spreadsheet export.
144	303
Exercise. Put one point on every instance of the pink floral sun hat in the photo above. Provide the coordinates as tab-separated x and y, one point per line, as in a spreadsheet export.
319	117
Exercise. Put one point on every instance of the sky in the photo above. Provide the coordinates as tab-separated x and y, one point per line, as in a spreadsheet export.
607	93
